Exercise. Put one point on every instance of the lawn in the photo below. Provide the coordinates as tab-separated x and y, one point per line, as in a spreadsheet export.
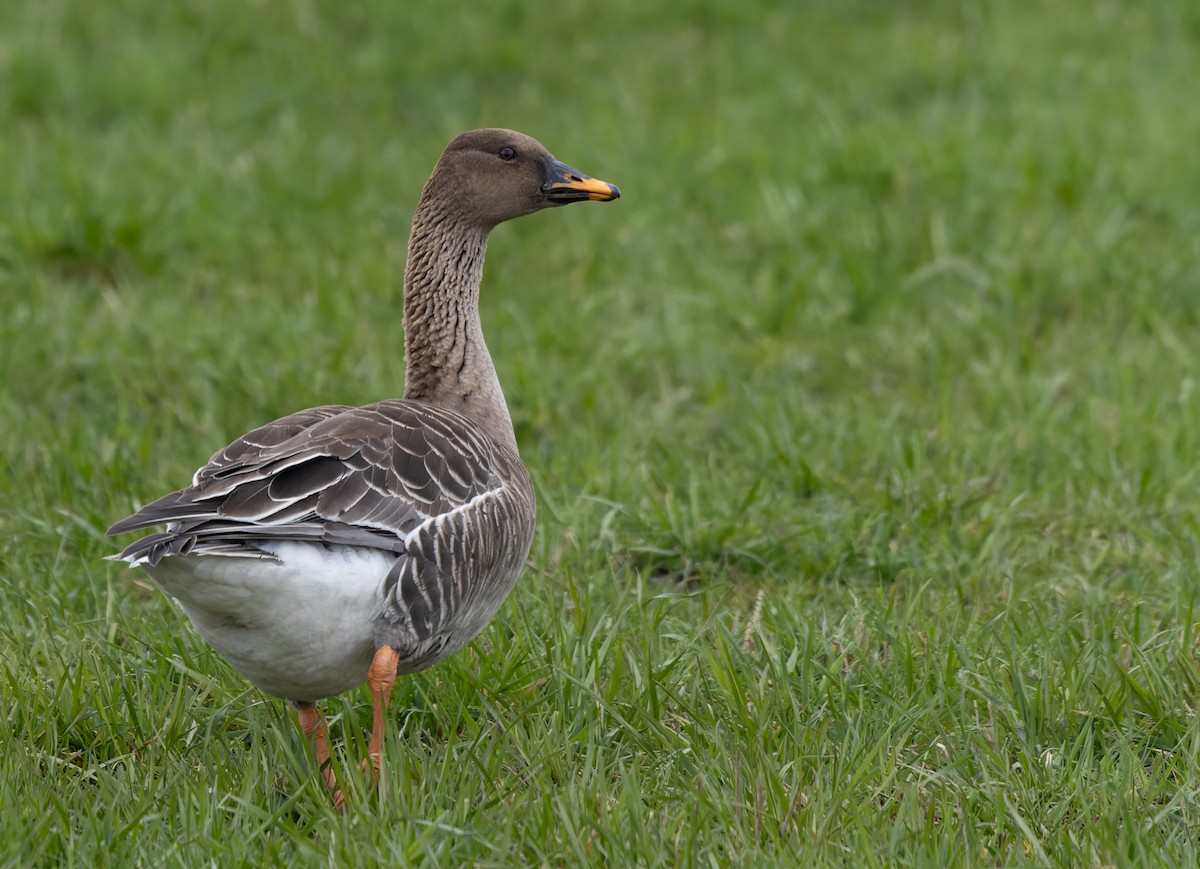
864	426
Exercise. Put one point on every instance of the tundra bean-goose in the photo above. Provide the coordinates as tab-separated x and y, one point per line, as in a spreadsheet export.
341	544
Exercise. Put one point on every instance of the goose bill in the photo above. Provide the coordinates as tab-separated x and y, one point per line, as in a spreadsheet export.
564	184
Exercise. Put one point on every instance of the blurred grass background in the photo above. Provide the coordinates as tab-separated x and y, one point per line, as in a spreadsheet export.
864	425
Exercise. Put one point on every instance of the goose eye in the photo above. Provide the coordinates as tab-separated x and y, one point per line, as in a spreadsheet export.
508	154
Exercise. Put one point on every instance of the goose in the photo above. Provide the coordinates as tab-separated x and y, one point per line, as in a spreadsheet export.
339	544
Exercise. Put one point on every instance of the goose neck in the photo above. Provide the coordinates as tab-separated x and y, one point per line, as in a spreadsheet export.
446	358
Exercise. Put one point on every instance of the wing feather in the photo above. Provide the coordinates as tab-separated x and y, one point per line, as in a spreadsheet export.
365	476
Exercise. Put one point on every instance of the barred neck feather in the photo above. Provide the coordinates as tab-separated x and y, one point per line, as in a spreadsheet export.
446	358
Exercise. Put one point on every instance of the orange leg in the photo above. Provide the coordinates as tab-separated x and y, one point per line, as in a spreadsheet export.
381	677
314	726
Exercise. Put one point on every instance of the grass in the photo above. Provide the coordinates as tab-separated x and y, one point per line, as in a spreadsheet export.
864	427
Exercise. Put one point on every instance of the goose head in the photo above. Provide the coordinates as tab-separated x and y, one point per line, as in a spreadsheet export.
488	176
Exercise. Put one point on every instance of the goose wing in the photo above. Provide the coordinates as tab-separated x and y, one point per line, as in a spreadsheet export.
362	476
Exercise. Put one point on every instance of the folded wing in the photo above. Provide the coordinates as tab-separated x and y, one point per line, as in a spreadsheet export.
360	476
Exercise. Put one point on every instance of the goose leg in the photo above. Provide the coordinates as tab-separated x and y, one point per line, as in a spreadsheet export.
381	677
315	728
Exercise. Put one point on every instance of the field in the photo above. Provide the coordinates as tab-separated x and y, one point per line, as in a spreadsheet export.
864	426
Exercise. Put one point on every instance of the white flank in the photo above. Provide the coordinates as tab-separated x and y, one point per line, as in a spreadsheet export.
297	626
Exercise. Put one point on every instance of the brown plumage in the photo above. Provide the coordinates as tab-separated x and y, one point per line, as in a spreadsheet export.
342	544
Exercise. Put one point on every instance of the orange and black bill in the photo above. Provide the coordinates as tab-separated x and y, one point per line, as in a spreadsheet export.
564	184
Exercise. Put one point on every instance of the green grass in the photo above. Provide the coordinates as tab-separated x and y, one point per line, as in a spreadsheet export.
865	426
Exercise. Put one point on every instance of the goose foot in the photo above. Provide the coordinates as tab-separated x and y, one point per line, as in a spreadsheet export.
380	677
315	728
